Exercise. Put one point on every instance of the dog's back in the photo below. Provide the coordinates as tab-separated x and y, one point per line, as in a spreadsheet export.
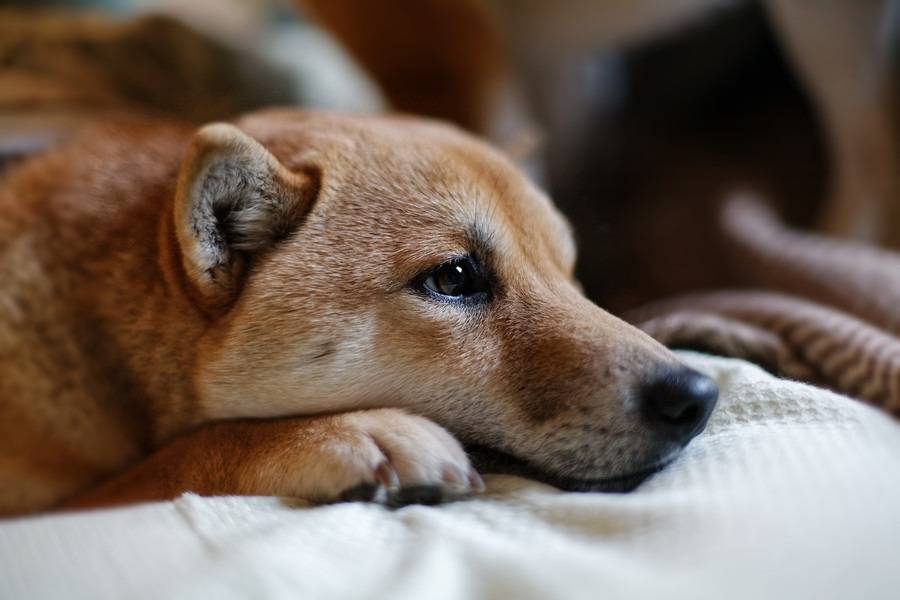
70	221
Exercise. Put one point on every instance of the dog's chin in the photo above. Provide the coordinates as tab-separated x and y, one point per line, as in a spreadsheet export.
489	460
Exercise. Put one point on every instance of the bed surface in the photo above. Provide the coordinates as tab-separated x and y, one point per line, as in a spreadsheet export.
792	492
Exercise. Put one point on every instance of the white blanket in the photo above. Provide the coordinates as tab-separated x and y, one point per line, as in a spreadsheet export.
792	492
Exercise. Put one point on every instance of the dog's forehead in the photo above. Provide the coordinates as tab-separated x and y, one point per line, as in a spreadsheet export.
421	184
454	185
505	208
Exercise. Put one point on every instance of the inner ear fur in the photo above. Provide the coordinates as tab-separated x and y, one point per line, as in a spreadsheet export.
234	198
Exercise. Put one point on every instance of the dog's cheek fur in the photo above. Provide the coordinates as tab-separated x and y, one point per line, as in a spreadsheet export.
572	374
551	379
580	399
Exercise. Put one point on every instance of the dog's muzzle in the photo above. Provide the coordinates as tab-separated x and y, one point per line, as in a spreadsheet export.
674	404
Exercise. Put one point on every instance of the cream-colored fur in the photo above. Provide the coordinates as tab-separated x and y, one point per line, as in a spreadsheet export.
240	309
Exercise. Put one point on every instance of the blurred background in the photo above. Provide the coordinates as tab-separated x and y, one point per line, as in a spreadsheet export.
638	139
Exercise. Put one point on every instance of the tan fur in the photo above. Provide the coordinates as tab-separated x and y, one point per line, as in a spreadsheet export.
162	288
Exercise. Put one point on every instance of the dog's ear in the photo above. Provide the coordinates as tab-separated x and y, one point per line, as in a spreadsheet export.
234	198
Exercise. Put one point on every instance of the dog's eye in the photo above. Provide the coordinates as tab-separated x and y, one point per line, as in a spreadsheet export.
456	279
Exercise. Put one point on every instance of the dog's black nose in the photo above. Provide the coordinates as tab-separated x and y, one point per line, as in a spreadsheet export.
678	401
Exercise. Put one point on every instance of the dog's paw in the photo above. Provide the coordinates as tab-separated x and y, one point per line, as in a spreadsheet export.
385	456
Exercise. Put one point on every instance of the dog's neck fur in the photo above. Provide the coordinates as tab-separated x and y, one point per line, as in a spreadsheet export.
121	272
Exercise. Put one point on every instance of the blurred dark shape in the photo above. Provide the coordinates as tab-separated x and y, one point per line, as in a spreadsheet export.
705	112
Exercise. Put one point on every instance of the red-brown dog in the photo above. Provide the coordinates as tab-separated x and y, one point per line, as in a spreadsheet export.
299	305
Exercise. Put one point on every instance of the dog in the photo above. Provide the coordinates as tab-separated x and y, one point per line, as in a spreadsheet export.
309	305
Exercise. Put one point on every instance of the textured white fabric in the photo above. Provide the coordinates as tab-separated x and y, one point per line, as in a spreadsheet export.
792	492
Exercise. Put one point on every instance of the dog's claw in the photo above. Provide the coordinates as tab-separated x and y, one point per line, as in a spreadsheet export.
454	476
387	489
387	476
475	481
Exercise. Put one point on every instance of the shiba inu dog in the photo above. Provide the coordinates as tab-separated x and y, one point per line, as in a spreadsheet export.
310	305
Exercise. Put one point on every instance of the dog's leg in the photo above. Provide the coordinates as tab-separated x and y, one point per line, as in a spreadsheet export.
841	49
381	455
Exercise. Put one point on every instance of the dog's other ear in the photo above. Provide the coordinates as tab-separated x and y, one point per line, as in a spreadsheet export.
234	198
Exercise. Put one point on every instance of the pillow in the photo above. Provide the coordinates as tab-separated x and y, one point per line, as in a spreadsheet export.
791	492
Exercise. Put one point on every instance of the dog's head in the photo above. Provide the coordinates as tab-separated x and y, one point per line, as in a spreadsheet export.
352	262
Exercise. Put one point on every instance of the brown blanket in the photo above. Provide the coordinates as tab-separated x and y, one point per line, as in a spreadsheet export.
826	311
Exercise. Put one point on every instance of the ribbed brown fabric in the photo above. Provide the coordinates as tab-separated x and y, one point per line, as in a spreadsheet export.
833	321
